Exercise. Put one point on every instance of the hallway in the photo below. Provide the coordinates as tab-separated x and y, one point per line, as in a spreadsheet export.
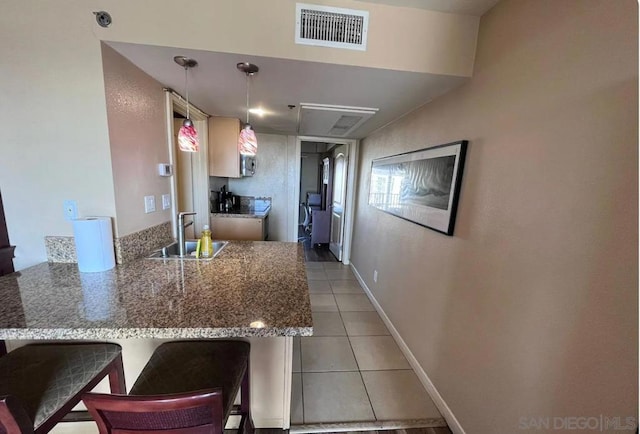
351	375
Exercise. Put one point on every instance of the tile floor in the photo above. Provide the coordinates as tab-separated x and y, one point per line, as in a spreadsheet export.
351	370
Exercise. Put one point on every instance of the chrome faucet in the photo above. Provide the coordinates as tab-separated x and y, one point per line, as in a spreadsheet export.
181	226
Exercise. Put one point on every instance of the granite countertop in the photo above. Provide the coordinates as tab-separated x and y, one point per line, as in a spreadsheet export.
251	288
244	212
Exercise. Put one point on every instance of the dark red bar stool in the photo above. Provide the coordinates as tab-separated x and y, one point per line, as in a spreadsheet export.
186	387
41	383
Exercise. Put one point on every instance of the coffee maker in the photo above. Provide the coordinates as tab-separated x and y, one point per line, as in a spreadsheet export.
223	200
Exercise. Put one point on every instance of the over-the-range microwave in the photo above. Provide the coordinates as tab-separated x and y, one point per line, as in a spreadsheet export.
247	165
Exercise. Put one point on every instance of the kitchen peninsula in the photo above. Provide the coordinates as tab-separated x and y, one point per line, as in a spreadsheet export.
252	290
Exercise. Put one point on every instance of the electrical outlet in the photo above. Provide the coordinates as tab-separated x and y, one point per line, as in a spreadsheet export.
70	209
166	201
375	276
149	204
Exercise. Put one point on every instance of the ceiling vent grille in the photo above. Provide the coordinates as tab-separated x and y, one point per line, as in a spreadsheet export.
330	120
331	27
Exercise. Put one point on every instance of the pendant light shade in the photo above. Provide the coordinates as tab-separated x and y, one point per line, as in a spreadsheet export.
247	141
187	135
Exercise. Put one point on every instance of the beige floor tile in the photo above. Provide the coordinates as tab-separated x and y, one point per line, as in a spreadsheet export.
346	287
353	303
398	395
364	324
316	275
327	354
342	274
375	353
328	324
314	265
335	266
335	397
296	354
297	415
323	303
319	286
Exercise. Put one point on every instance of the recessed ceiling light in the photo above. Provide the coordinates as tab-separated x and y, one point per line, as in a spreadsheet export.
257	111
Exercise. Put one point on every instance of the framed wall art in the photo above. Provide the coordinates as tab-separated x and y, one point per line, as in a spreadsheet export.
420	186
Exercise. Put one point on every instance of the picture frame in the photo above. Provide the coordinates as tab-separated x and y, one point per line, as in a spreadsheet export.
421	186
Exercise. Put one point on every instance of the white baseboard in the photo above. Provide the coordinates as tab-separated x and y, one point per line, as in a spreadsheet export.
448	415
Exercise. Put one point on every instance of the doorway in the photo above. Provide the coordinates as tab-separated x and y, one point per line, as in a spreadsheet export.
190	180
325	191
336	239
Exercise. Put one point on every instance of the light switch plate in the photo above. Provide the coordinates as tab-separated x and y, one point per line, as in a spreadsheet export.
166	201
149	204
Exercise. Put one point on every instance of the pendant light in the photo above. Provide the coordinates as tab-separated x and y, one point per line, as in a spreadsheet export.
247	141
187	136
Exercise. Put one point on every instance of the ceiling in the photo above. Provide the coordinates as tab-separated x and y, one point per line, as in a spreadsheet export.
218	88
464	7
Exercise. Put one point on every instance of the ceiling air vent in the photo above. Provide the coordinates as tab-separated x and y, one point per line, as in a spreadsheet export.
333	121
331	27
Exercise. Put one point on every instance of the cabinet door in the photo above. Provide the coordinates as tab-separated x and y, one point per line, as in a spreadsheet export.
232	228
224	158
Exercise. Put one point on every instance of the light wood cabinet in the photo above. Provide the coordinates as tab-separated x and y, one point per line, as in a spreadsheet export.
238	228
224	158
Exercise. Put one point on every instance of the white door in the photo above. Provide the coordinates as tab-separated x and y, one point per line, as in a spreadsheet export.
338	204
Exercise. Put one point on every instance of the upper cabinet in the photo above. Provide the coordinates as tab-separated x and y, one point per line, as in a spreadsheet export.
224	158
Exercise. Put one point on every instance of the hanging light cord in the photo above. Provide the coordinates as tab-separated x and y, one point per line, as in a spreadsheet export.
186	85
247	97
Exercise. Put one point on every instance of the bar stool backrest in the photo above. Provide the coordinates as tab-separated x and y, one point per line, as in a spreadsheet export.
184	413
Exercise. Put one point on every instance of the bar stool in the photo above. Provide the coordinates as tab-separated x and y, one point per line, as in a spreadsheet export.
186	387
41	383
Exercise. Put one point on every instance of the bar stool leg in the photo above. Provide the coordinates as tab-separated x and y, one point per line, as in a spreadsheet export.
245	401
116	377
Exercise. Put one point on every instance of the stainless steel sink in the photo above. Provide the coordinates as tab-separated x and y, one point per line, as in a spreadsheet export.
171	251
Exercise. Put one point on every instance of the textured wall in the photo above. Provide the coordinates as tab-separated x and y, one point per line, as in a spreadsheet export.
275	169
138	136
530	309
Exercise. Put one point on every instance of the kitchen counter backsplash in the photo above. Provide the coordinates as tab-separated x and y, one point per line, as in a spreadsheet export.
248	205
138	244
127	248
251	203
60	249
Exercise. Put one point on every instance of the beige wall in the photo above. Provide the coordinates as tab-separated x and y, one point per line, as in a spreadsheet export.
446	41
54	143
275	177
531	308
136	115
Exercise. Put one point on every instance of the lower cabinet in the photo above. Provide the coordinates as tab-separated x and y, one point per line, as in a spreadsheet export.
238	228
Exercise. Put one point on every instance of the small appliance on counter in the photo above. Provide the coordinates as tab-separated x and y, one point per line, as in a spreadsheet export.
223	200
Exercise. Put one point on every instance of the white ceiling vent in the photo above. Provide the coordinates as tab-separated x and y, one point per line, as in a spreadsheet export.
332	121
331	27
